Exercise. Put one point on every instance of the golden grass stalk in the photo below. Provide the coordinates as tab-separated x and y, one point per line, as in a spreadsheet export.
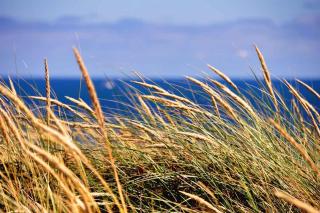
294	201
167	116
175	104
215	105
163	92
59	138
144	128
88	126
267	77
309	88
67	172
179	98
208	191
47	79
151	86
11	125
60	126
235	97
12	87
201	201
145	107
298	147
19	138
198	137
100	118
301	120
306	105
66	141
61	182
80	125
91	89
217	97
80	103
4	130
224	77
60	104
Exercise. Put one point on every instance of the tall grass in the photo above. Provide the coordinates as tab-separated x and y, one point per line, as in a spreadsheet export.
172	155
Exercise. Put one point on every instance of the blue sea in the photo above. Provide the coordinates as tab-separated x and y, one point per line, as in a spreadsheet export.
116	95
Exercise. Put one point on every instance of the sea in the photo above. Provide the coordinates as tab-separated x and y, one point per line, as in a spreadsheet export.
117	96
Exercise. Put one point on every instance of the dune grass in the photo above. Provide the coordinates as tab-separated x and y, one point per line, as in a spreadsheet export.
173	155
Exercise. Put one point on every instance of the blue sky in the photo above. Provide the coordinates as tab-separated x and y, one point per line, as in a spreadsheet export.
165	11
167	38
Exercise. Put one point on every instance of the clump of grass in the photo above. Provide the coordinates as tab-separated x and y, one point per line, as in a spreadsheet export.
170	155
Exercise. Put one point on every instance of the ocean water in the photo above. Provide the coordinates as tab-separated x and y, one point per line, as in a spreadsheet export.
116	96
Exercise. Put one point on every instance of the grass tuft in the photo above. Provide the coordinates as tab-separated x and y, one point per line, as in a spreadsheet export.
170	154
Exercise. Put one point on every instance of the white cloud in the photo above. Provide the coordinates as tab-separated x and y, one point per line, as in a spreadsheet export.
242	53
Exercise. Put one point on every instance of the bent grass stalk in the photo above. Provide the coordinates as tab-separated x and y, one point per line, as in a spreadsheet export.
267	78
224	77
100	117
309	88
298	147
217	97
294	201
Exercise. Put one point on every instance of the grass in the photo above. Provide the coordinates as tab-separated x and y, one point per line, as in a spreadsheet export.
171	155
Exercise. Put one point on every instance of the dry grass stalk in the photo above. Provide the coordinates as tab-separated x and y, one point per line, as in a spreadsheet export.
167	116
298	147
58	103
48	99
13	89
81	104
59	138
201	201
179	98
67	172
267	77
91	90
309	88
146	129
18	102
198	137
11	125
100	118
145	107
217	97
306	105
303	100
47	167
151	86
281	101
215	105
60	126
4	130
88	126
301	120
51	132
235	97
163	92
80	125
176	104
294	201
208	191
224	77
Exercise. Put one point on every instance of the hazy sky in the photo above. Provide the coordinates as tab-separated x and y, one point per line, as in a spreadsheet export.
166	38
164	11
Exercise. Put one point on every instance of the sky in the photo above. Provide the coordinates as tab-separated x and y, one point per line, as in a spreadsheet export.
165	11
168	38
